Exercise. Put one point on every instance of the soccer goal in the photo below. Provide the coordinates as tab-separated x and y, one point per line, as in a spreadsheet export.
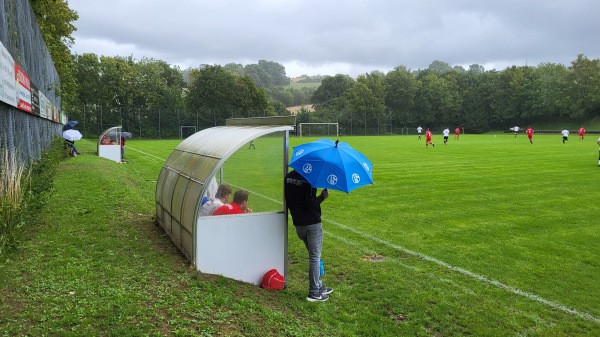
186	131
319	129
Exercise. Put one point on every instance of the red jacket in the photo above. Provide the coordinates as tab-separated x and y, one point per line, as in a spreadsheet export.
226	209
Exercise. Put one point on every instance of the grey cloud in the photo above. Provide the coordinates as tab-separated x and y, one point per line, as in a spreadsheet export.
381	33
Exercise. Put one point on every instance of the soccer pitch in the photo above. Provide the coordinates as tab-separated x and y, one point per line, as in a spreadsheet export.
487	235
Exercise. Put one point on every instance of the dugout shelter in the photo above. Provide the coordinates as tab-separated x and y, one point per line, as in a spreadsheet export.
242	246
109	144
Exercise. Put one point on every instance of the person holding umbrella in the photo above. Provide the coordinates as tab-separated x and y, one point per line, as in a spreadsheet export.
70	136
320	164
305	208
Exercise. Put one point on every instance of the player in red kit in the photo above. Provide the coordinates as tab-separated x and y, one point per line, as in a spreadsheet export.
581	133
529	133
428	139
456	133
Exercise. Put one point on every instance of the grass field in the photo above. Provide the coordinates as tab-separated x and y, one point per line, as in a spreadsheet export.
486	236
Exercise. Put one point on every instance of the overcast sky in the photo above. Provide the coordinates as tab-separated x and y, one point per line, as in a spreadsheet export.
328	37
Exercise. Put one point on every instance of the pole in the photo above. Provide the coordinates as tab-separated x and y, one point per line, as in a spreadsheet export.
84	122
140	122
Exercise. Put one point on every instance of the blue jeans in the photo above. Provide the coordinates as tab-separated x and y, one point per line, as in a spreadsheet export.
312	236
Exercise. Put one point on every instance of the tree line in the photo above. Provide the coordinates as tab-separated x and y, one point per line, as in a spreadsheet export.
444	96
153	97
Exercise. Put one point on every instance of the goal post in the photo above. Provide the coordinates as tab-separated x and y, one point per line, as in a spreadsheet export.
324	129
186	131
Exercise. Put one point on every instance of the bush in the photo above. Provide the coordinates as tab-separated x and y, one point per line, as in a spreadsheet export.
23	191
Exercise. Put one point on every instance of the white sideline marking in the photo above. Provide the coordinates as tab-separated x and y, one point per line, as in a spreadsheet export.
147	154
399	262
554	305
258	194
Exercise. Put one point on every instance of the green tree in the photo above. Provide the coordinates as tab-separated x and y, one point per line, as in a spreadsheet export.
261	78
332	88
583	87
276	72
55	19
219	94
400	87
550	100
365	98
433	101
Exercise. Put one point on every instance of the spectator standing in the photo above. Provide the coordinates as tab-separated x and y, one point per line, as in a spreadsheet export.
305	207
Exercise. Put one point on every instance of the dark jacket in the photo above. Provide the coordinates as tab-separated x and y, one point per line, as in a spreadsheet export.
302	201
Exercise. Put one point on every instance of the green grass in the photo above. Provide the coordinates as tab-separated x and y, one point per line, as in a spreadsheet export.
485	236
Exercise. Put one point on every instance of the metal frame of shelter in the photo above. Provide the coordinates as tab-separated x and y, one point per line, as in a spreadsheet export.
242	246
110	151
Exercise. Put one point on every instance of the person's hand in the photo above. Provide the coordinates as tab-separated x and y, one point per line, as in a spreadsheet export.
248	210
325	194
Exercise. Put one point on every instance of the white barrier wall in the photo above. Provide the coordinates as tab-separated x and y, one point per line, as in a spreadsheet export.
242	247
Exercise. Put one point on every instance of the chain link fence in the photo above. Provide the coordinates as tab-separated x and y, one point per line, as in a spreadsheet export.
25	135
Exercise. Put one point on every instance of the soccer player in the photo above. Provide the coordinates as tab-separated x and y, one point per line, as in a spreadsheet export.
456	133
565	134
428	139
516	128
581	133
446	135
529	133
419	130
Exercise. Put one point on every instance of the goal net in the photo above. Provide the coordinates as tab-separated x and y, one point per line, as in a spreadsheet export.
319	129
186	131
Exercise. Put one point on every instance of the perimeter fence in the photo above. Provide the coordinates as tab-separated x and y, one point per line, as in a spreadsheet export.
167	123
26	129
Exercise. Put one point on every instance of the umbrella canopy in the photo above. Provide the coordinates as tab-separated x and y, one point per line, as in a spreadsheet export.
125	135
328	164
72	135
69	125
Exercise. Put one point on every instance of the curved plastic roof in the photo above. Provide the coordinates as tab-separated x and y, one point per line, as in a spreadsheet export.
107	131
184	176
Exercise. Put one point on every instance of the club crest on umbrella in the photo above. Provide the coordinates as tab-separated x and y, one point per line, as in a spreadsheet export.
328	164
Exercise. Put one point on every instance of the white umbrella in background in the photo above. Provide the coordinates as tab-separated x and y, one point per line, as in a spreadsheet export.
72	135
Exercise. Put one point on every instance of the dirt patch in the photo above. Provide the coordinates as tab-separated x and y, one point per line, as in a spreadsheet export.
295	109
375	258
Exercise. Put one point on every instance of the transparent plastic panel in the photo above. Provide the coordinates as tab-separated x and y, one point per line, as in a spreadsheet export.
178	195
192	198
258	167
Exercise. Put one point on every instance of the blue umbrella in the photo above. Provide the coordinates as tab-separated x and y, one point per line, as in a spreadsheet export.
328	164
69	125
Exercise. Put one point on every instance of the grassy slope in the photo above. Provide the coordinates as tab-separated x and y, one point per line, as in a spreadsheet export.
519	214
